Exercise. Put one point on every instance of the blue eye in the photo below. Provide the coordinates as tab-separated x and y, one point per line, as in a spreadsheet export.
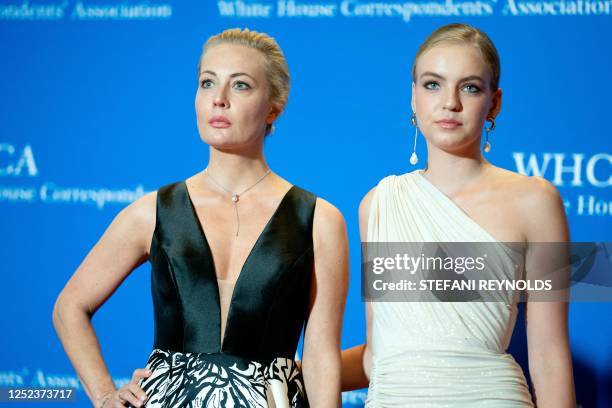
241	85
471	88
432	85
206	83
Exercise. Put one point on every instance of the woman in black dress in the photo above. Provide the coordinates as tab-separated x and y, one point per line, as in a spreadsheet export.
241	261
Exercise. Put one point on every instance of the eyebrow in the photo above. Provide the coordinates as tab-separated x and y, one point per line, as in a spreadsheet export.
234	75
467	78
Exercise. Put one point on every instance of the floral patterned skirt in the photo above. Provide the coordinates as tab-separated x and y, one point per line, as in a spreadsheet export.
200	380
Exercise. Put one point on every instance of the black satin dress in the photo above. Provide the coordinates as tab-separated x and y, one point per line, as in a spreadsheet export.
254	365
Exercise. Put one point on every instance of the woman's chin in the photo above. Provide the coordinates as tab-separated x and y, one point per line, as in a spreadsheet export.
229	145
226	140
458	146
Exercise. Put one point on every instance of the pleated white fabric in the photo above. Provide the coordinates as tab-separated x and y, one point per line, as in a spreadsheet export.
440	354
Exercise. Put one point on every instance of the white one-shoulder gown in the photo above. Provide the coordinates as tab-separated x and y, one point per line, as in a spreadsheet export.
439	354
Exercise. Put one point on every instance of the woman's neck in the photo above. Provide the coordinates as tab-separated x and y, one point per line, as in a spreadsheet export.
236	170
450	172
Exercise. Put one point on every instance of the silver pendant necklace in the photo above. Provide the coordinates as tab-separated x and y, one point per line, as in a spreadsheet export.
235	197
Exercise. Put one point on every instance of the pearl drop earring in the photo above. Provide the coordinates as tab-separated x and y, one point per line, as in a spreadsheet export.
414	159
487	146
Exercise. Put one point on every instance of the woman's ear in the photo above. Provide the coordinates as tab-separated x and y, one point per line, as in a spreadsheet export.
412	101
496	104
272	115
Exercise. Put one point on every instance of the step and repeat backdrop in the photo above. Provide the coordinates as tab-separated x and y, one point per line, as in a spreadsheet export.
97	108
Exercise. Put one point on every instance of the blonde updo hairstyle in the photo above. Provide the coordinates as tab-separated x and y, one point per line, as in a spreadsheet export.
464	34
277	71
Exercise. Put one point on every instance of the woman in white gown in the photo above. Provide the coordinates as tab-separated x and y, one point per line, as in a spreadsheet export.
452	354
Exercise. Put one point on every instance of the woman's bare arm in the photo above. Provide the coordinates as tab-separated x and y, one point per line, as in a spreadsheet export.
550	362
122	247
357	361
321	363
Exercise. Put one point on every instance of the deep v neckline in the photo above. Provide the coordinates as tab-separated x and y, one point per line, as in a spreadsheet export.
207	249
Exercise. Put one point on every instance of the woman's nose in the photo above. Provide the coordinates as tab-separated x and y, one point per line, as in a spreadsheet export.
220	100
452	102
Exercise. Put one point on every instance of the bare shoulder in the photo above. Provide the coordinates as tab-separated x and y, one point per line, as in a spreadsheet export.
537	203
138	220
542	206
327	218
143	210
364	205
541	193
531	193
329	229
330	246
537	195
